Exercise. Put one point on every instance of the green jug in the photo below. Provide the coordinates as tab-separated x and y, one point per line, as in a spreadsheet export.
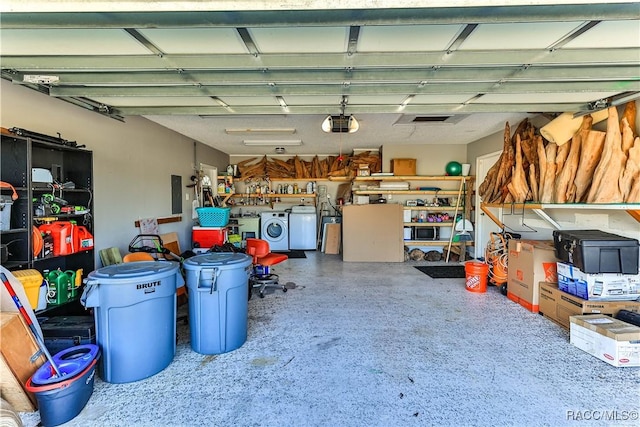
58	287
73	290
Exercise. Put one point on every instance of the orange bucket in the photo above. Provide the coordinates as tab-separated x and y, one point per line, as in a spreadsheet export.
476	276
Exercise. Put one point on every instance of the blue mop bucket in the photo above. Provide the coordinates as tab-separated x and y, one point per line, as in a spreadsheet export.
61	399
70	362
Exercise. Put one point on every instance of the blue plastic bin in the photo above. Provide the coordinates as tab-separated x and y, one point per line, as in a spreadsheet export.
70	362
61	399
218	285
135	315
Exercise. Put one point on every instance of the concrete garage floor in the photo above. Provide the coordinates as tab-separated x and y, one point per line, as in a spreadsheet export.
376	344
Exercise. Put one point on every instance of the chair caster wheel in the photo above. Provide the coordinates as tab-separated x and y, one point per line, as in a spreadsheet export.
284	289
261	295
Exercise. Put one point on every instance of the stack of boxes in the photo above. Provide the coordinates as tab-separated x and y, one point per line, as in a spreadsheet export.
582	280
597	274
595	265
597	277
212	230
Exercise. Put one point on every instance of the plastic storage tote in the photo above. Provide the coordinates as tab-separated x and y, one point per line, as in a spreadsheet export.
218	284
135	316
595	251
5	212
31	282
63	332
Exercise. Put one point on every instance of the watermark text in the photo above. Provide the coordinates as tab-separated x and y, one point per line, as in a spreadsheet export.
602	415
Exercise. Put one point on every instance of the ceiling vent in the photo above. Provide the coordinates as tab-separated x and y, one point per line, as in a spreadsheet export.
434	120
430	119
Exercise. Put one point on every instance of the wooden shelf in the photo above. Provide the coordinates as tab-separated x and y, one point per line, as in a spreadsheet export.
414	178
428	224
263	179
632	209
537	205
408	192
430	208
434	243
451	182
274	195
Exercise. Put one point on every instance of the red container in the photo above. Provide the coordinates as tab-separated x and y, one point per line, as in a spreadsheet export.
65	237
206	237
85	239
476	276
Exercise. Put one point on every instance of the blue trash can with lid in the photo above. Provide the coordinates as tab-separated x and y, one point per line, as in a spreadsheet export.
218	285
135	315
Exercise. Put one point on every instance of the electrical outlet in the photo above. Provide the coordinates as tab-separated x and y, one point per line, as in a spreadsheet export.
186	195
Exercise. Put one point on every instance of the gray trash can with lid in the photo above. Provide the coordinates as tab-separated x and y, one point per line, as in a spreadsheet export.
218	286
135	315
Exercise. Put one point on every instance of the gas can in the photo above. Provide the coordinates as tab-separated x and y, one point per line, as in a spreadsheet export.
61	286
85	239
65	237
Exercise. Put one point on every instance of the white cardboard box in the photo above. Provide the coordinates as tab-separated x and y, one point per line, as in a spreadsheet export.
601	286
609	339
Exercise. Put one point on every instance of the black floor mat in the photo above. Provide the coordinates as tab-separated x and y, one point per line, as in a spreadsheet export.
443	271
292	254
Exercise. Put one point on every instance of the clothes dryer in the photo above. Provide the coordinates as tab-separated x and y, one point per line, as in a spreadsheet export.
303	228
274	229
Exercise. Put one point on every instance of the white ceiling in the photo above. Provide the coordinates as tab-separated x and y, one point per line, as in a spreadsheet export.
199	68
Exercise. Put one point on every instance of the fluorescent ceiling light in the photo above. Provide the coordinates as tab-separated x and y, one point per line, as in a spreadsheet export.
40	79
272	142
260	130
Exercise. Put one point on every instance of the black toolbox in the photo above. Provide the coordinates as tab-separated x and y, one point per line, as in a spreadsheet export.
595	251
62	332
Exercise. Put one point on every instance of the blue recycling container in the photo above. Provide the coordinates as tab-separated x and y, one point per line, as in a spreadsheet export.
135	315
218	284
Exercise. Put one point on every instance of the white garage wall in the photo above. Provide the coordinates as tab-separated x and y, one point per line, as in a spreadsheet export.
430	159
133	162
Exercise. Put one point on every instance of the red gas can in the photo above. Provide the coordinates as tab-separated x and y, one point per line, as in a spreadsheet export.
85	239
65	237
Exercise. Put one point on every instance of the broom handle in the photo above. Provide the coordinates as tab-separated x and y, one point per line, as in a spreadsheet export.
455	214
27	319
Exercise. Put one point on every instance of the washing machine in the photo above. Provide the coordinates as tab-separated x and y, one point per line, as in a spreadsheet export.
274	229
303	228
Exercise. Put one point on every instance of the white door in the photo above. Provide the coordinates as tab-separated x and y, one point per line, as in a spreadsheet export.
484	225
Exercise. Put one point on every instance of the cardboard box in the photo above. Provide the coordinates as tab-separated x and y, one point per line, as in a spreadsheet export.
19	359
559	306
598	287
610	340
331	241
372	233
530	262
403	166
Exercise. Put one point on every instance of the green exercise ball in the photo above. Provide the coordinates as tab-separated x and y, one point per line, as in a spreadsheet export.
453	168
